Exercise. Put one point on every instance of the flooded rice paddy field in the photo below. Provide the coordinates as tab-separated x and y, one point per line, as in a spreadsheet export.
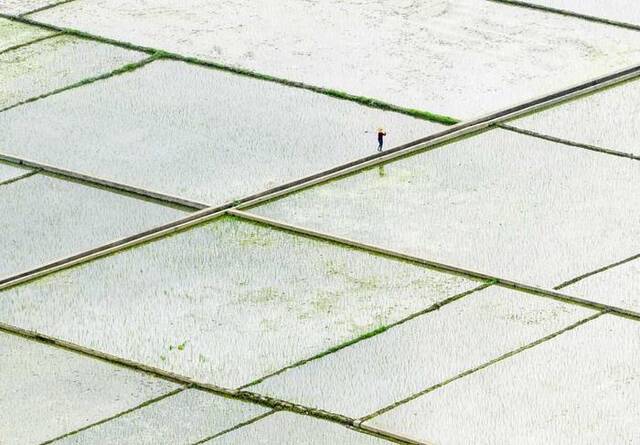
186	417
622	11
56	391
10	173
427	350
551	393
26	6
14	34
56	63
500	202
608	120
197	133
45	218
461	58
481	290
306	429
268	298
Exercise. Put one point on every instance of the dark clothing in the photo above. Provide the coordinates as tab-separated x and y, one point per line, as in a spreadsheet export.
381	136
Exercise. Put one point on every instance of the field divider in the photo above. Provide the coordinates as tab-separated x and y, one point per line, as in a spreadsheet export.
118	415
502	282
87	81
568	13
377	432
371	334
112	247
45	7
22	176
336	94
568	142
247	396
375	103
30	42
596	271
162	198
434	140
484	365
236	427
447	135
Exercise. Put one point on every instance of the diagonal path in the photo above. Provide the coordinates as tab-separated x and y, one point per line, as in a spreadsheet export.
429	142
30	42
568	142
248	396
510	284
565	12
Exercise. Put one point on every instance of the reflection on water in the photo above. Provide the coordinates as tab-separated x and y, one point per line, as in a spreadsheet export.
198	133
500	202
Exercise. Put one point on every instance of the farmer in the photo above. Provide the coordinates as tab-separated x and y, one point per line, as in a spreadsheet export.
381	135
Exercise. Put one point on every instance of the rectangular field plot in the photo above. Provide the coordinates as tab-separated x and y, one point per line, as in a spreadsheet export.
580	387
14	33
184	418
618	286
625	11
291	429
198	133
463	58
501	203
46	392
607	119
44	219
423	352
55	63
10	173
227	302
24	6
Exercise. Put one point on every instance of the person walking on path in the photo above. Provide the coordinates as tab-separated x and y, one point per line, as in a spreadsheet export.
381	135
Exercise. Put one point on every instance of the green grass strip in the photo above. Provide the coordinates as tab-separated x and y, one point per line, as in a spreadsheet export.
30	42
118	71
337	94
372	333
